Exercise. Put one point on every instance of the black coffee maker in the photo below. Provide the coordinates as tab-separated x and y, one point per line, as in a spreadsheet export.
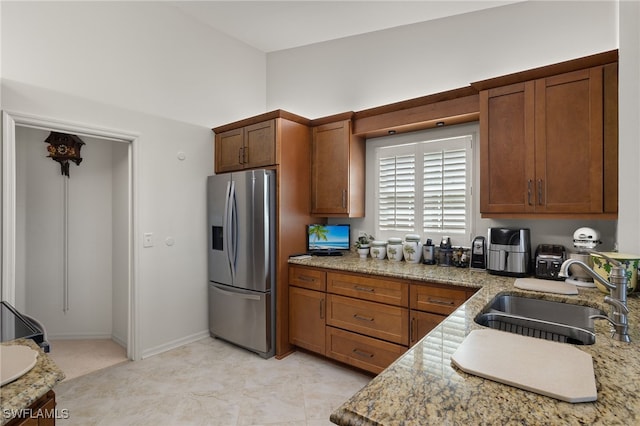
478	253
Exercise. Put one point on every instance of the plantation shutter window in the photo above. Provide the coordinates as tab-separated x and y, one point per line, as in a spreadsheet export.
445	191
424	187
396	200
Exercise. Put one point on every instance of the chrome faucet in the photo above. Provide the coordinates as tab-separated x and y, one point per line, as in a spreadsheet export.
617	297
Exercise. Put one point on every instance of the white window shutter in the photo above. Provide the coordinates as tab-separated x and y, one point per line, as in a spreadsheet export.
445	191
396	192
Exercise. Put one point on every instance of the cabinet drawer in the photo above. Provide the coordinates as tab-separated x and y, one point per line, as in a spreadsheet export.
384	290
439	300
370	318
361	351
310	278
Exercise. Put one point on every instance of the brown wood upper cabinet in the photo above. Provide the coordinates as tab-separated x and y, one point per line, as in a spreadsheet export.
247	147
337	170
544	144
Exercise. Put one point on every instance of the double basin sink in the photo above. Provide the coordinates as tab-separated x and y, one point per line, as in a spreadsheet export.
544	319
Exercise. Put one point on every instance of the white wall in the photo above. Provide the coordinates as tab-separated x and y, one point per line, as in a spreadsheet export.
629	98
90	236
127	66
388	66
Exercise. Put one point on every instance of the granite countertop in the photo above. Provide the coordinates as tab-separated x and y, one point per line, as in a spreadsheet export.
25	390
422	387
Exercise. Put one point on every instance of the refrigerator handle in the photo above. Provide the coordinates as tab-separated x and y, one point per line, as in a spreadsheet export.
232	229
235	294
228	246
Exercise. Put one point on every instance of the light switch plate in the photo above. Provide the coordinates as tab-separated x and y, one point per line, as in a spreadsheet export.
147	239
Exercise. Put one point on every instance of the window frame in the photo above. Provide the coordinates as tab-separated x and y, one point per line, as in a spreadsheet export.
437	136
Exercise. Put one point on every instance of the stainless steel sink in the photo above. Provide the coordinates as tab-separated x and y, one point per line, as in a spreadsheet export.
544	319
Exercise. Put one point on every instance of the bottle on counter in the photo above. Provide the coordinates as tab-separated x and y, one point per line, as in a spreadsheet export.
428	251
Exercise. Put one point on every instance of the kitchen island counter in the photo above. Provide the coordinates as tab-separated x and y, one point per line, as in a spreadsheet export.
24	391
422	387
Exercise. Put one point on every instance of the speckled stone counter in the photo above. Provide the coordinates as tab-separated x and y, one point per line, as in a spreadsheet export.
21	393
422	387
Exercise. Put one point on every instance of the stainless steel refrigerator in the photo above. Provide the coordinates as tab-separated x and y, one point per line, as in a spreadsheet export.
241	219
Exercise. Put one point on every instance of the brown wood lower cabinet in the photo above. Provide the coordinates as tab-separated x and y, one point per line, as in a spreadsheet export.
40	413
361	351
364	320
307	319
421	323
369	318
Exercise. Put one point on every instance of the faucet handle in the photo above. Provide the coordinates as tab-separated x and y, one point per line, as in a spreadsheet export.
616	303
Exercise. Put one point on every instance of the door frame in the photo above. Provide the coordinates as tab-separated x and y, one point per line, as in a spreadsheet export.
8	248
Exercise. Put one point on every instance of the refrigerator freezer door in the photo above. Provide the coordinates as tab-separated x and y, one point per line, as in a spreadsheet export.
242	317
218	189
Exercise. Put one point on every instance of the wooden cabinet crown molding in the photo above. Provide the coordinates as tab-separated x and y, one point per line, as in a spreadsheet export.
590	61
279	113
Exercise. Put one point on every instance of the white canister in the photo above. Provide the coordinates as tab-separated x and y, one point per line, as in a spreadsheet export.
378	249
394	249
412	248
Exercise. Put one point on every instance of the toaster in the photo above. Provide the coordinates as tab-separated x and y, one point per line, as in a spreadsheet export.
549	258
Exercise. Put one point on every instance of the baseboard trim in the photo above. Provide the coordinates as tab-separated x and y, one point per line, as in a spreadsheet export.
78	336
146	353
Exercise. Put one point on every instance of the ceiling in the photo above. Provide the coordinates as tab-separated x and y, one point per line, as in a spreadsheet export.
276	25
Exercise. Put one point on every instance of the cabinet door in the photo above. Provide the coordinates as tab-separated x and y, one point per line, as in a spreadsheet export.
260	144
569	142
507	149
422	323
307	319
330	168
229	151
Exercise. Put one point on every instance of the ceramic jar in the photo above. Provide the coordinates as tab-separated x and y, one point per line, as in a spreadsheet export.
394	249
378	249
412	248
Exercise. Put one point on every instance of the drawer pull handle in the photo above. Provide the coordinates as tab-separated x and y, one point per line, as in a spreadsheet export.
362	353
441	302
367	289
362	318
306	279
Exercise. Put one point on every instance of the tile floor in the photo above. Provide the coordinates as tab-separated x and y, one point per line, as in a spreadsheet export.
210	382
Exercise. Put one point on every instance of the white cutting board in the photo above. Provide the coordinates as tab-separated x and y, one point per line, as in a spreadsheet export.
15	360
549	368
546	286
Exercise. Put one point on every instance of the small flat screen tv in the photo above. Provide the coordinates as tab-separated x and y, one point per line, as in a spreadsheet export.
328	238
